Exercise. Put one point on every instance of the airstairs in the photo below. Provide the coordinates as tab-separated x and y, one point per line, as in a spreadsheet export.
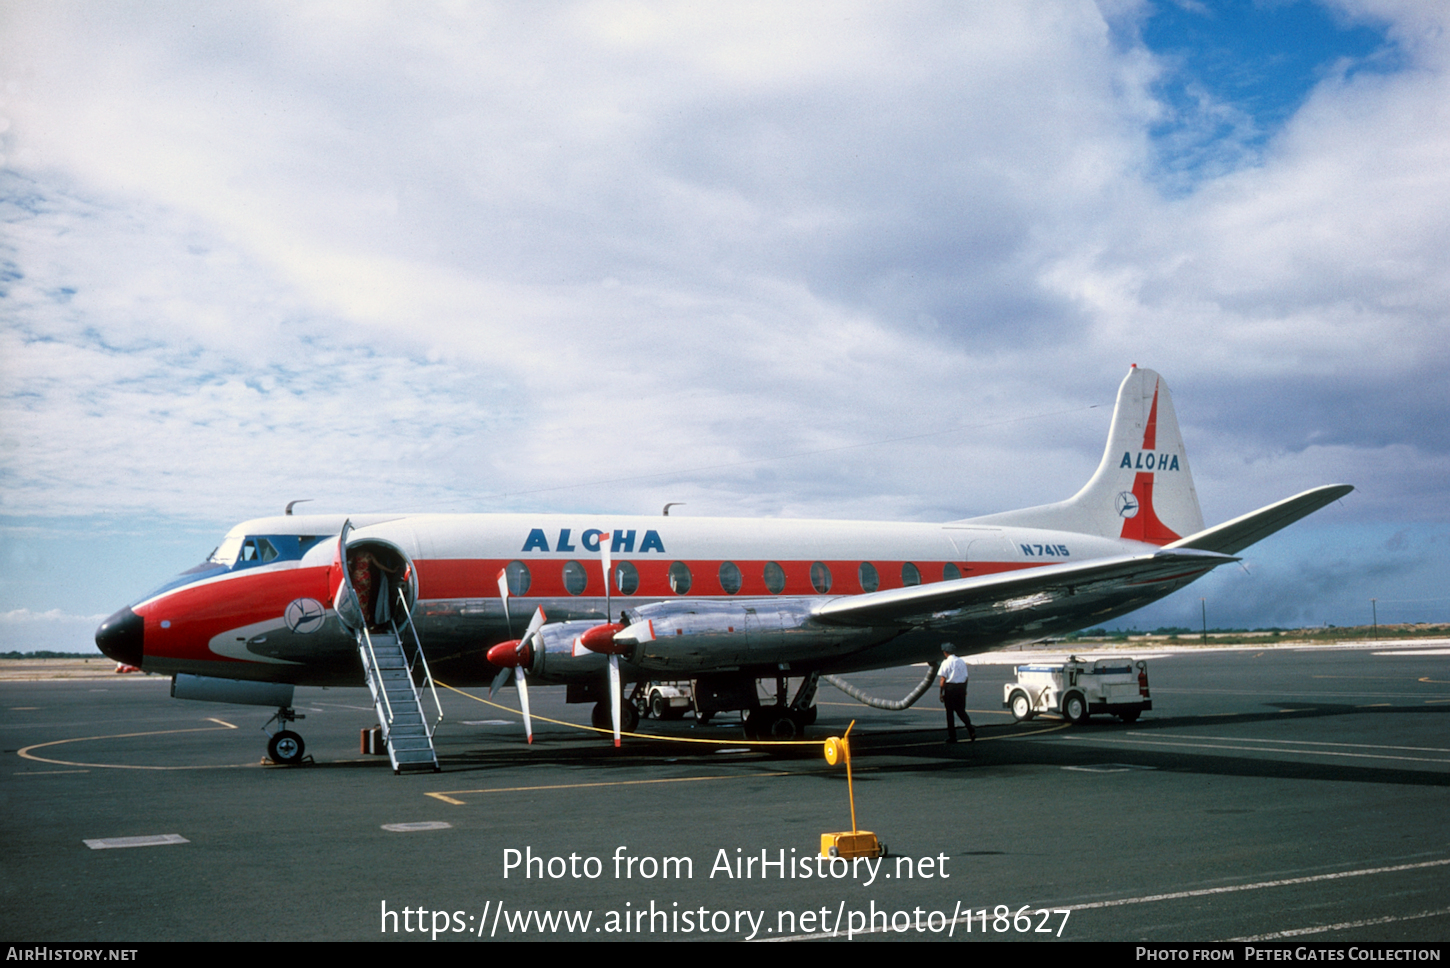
390	676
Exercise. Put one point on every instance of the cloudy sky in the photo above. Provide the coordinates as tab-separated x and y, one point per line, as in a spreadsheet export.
855	260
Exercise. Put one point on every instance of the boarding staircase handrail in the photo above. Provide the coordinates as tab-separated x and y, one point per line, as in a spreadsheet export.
418	656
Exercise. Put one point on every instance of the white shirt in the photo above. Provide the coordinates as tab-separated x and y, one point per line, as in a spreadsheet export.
954	669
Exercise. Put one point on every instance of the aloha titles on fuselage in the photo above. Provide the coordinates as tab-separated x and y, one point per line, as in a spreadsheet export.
1149	461
621	541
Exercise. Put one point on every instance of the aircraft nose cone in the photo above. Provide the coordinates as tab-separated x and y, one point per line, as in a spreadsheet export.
120	637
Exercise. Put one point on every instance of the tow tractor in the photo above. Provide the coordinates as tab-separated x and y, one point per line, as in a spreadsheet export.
1077	689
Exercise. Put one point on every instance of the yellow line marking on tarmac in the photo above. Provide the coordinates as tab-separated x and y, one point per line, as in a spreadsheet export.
651	736
447	795
46	772
985	739
221	724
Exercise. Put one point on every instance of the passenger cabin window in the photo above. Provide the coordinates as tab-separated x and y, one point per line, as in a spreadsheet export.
950	572
729	577
518	577
680	578
576	579
820	577
870	580
774	578
626	578
910	575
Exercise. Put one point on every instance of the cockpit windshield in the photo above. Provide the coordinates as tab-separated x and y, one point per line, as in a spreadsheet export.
226	552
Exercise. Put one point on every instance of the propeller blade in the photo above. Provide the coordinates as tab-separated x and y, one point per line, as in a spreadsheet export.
503	592
535	623
523	683
614	695
499	680
522	677
605	561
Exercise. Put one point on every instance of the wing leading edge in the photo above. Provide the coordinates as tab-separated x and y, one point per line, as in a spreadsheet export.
1231	537
1053	593
1064	596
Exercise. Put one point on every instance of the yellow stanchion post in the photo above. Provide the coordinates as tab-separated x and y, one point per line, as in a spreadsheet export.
848	843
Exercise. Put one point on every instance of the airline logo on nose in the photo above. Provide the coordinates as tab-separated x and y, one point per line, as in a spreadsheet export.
620	541
304	615
1148	460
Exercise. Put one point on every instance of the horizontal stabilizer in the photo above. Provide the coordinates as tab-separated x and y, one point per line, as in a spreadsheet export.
1233	536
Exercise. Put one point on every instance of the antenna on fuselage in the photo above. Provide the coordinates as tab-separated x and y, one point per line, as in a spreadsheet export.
293	504
673	504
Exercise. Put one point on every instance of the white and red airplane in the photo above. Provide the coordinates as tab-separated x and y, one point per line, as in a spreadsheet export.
719	601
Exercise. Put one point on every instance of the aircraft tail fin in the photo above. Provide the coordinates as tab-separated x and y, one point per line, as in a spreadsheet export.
1142	489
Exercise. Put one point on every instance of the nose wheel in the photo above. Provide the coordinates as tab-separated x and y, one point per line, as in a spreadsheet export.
285	747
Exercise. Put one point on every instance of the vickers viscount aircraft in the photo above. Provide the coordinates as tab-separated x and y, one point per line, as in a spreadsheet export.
590	601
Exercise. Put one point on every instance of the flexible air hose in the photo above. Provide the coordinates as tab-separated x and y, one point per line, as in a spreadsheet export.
875	703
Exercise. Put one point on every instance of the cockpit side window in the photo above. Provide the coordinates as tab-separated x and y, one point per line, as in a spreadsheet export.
258	551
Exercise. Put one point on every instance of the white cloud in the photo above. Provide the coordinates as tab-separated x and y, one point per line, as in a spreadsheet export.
398	258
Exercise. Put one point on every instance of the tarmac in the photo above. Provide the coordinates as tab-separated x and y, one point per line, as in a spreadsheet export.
1271	793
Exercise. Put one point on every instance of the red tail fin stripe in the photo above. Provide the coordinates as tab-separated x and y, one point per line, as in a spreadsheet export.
1150	432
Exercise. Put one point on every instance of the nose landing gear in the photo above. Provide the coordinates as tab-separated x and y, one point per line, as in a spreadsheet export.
285	747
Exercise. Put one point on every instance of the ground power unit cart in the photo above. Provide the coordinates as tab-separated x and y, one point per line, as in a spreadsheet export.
1077	689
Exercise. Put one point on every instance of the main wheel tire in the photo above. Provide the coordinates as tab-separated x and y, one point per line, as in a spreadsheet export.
760	722
808	718
1021	706
286	748
1075	709
601	717
784	728
628	718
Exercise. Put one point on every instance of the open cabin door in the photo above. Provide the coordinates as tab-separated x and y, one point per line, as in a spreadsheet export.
375	601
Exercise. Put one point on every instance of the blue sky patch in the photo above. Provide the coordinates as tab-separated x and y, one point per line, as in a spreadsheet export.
1235	72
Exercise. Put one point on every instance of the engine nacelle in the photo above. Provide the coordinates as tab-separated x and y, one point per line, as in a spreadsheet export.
557	652
680	637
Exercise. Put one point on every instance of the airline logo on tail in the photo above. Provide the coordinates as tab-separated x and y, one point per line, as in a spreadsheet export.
1140	522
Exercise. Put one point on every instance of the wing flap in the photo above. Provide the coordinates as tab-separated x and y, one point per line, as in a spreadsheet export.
1231	537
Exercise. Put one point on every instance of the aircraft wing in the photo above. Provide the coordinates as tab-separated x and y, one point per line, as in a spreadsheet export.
1047	593
1233	536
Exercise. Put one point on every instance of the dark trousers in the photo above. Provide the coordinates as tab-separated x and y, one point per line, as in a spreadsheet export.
954	698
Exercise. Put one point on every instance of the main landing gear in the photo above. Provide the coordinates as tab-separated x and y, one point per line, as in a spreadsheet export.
776	722
602	717
784	721
285	747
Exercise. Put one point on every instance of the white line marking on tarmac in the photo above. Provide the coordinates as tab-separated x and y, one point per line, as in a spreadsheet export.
1300	742
408	828
1263	749
154	840
1344	926
1109	768
1284	882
